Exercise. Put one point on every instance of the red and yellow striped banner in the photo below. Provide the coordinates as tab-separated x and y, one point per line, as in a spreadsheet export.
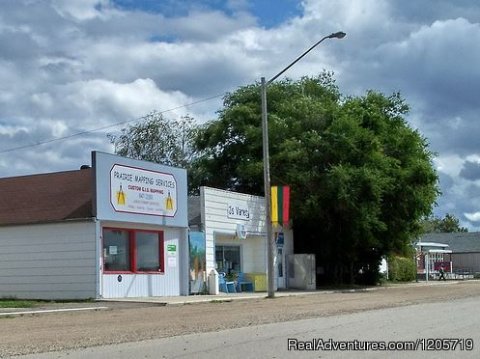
280	204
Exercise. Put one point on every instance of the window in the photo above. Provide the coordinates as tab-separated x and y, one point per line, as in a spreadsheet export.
116	251
148	251
227	258
126	250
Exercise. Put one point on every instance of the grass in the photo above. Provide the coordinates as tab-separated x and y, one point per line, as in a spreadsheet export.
14	303
8	302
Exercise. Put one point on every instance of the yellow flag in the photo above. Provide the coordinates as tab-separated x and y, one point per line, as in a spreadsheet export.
274	204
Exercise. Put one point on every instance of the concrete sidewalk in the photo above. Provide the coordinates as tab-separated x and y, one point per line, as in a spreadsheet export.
227	297
102	304
204	298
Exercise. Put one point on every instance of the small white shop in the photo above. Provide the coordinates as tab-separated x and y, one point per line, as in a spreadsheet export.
141	214
235	234
117	229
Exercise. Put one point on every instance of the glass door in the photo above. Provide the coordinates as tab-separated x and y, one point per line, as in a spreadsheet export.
227	259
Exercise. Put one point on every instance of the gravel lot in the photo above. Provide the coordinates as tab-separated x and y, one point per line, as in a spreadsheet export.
128	322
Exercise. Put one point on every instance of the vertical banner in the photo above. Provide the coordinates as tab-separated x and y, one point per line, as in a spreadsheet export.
280	197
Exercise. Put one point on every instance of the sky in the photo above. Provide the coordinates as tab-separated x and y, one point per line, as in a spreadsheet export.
72	71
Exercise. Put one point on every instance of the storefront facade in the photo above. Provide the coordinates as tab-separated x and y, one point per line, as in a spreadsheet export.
117	229
141	209
235	232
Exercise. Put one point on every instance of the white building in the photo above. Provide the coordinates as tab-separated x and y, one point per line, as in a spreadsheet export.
118	229
235	233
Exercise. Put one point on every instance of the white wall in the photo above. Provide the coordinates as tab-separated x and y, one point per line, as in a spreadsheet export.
143	285
214	205
48	261
253	251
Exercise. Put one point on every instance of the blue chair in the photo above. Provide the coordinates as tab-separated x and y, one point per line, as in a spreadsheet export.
243	284
224	285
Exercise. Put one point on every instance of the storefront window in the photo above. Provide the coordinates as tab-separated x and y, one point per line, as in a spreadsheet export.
126	250
116	251
148	251
227	259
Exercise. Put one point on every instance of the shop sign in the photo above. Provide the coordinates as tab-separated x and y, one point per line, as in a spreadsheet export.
241	232
238	210
136	190
172	255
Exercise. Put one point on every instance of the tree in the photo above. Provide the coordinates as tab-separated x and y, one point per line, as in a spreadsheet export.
361	178
160	140
448	224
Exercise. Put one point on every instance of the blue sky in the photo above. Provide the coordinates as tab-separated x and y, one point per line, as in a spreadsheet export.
268	13
71	66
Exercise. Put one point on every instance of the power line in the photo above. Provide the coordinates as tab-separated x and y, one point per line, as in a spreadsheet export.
57	139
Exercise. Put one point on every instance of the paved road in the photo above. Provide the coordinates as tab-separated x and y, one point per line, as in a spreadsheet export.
459	319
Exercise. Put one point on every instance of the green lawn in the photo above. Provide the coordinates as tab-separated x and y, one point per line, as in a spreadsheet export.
12	303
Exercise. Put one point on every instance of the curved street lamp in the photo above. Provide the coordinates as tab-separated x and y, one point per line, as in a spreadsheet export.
266	162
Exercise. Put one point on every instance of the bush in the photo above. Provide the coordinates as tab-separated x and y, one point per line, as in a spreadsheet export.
401	269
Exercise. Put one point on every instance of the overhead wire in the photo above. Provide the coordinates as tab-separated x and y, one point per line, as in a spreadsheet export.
62	138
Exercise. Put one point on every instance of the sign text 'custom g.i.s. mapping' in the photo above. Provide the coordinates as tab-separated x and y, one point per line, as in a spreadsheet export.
136	190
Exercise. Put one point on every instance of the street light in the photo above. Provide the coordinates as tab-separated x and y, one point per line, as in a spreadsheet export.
266	162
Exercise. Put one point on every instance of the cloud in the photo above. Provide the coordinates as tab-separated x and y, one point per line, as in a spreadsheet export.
473	217
81	9
72	65
470	170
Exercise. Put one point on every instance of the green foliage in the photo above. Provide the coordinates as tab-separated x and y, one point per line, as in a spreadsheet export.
401	269
160	140
448	224
361	177
16	303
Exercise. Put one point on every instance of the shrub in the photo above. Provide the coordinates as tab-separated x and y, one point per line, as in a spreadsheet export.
401	269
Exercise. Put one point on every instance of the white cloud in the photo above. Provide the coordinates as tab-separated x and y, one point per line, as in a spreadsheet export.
474	217
80	9
451	164
72	65
102	98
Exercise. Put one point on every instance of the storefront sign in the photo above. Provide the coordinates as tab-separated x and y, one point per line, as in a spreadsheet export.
238	210
136	190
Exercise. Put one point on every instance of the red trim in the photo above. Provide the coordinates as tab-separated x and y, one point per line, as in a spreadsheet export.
286	205
161	240
133	251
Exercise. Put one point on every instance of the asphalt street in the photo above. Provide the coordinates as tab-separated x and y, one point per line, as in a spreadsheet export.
448	329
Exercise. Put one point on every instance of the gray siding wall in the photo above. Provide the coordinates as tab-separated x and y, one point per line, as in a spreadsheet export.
467	261
48	261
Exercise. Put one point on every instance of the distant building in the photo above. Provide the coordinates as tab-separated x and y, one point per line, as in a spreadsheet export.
465	247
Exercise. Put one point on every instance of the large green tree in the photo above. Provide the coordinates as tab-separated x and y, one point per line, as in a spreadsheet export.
361	177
